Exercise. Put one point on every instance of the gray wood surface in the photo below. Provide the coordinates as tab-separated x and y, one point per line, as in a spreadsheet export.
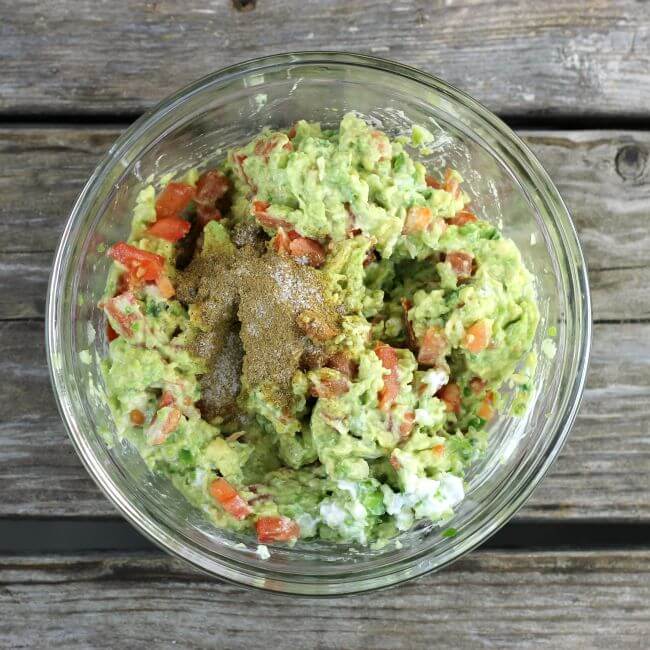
601	473
488	600
560	57
605	180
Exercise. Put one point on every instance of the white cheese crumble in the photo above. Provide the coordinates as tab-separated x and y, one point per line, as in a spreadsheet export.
549	349
262	552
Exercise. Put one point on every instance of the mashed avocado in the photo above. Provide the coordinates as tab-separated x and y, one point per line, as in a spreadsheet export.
310	339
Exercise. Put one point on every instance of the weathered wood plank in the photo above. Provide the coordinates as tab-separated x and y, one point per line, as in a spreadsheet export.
617	294
602	472
489	599
519	58
604	176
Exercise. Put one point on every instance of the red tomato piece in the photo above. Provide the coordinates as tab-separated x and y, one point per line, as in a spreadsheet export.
417	219
451	184
477	385
438	450
260	212
330	387
486	410
276	529
463	217
226	495
111	334
342	362
206	214
124	312
170	228
433	348
450	395
407	425
173	200
309	250
166	399
477	336
388	357
462	264
160	429
432	182
211	186
281	241
165	287
142	265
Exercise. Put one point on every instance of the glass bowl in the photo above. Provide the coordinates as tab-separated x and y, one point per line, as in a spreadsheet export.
507	185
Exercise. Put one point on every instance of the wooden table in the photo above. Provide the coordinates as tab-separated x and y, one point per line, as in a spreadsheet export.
573	568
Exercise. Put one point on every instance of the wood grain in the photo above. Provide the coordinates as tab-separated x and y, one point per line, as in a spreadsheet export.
604	177
489	599
605	180
520	58
601	473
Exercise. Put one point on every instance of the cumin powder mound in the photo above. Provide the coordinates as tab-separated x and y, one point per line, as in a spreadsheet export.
279	309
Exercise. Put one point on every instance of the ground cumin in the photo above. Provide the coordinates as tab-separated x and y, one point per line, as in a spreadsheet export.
258	314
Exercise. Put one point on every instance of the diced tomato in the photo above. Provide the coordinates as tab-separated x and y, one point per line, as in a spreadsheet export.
477	385
207	214
281	242
438	450
477	336
160	429
382	143
342	362
291	133
315	326
264	147
462	264
486	410
330	387
111	334
394	461
173	200
142	265
124	312
309	250
433	347
166	399
463	217
451	184
170	228
276	529
211	186
450	395
239	159
260	212
226	495
137	417
388	357
407	425
432	182
417	219
165	286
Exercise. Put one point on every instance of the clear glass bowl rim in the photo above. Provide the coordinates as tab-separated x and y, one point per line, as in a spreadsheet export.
416	564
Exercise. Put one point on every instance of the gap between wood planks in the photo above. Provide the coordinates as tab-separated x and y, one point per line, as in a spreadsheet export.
24	536
533	121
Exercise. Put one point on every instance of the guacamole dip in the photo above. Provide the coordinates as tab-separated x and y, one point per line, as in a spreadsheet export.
310	338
